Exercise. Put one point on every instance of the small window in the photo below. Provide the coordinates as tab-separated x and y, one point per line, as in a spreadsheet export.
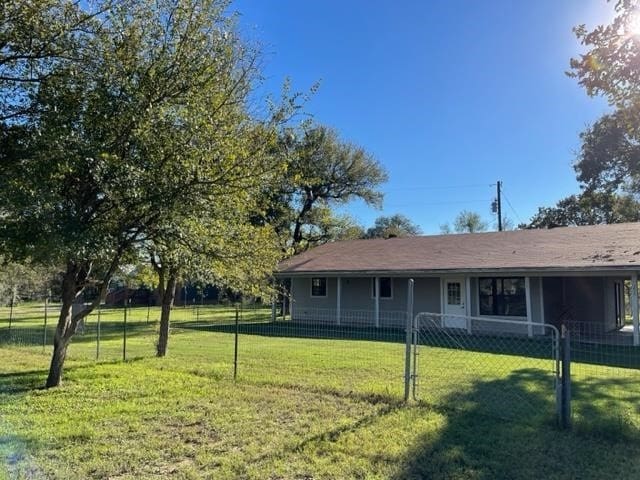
386	290
319	287
454	296
503	297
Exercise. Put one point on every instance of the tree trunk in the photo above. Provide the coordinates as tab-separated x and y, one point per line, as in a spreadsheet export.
64	329
297	231
159	292
57	361
167	304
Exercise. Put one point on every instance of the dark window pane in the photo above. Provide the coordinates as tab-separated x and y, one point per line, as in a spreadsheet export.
318	287
503	296
486	286
385	287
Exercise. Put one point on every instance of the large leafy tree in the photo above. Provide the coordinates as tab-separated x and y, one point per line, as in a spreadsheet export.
36	38
609	67
141	124
323	172
609	159
588	208
397	225
221	247
608	163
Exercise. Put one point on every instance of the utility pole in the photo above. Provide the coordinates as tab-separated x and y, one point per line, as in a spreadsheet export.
497	205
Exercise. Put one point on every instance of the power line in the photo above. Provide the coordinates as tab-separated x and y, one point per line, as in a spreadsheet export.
439	187
511	206
451	202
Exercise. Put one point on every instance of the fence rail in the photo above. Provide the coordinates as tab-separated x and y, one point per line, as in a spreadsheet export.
351	317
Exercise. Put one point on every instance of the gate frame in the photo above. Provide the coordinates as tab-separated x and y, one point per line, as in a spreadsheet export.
558	373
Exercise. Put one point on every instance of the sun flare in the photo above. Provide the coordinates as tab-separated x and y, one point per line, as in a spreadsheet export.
633	25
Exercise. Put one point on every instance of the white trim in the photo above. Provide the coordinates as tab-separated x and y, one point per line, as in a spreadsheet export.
463	294
326	288
634	309
338	299
511	318
291	301
373	288
467	295
527	294
541	296
376	302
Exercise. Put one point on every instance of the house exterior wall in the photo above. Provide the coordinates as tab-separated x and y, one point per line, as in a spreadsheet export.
426	296
553	300
587	299
357	304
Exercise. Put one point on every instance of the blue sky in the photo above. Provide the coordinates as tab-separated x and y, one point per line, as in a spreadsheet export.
449	96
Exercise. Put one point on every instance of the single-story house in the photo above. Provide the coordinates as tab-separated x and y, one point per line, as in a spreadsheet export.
568	275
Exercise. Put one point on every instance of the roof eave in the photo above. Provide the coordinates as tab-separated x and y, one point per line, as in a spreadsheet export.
453	271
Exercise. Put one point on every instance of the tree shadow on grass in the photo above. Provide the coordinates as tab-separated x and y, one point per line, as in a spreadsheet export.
539	346
607	407
487	441
109	330
21	382
16	383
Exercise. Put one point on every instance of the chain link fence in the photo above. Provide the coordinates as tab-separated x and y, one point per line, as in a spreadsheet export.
315	351
503	368
486	366
605	371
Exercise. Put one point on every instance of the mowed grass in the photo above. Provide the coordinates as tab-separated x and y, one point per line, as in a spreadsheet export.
306	408
27	325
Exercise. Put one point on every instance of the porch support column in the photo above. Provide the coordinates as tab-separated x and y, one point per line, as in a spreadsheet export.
291	300
527	289
634	309
467	301
338	299
542	319
377	301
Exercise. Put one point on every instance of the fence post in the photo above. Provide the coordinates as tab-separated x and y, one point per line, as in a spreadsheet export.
273	309
13	296
235	347
98	334
408	341
565	389
44	332
124	336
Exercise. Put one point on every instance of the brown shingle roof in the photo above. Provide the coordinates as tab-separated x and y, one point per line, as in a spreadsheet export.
599	247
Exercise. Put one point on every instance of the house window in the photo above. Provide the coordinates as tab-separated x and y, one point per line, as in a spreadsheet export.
386	290
319	287
503	296
454	296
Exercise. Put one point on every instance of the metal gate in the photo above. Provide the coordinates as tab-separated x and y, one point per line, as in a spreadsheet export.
498	367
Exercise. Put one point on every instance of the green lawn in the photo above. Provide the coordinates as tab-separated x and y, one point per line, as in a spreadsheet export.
305	408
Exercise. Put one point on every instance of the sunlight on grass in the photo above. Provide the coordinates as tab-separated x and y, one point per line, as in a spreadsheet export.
301	408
